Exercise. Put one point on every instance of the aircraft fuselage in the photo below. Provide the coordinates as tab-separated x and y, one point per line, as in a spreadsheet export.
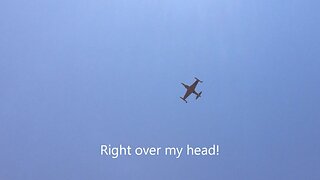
191	89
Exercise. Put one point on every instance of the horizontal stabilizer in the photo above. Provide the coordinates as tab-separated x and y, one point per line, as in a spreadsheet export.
199	95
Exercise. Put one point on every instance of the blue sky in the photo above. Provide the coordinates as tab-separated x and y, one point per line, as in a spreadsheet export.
77	74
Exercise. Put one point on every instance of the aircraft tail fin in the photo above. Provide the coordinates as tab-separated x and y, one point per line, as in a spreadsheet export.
199	95
183	99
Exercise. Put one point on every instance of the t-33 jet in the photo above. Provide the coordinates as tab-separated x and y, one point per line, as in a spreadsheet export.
191	89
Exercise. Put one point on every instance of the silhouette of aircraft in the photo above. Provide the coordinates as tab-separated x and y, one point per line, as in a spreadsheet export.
191	89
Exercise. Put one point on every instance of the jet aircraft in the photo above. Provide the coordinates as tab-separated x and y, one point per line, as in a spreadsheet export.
191	89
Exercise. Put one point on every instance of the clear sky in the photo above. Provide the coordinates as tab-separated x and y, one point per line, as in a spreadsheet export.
75	74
